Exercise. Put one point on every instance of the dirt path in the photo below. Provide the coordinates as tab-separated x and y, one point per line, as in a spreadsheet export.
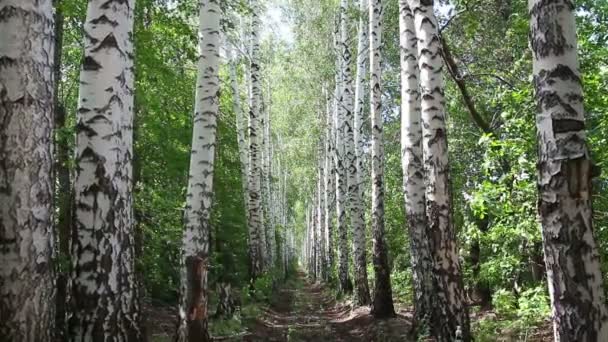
303	311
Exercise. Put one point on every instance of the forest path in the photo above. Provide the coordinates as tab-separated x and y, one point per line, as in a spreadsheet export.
306	311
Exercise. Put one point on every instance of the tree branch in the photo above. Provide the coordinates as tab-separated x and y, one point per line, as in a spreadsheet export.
462	86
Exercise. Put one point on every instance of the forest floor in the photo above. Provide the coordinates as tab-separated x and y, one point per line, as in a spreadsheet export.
306	311
301	311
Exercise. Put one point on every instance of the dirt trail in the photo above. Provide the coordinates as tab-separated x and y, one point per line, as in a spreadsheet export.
304	311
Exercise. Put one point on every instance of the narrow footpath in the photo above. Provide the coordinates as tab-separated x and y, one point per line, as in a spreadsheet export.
306	311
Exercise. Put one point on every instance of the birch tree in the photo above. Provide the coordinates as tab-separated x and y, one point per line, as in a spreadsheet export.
103	279
413	169
26	155
321	210
330	191
355	203
362	60
193	314
382	305
451	314
565	171
345	284
256	242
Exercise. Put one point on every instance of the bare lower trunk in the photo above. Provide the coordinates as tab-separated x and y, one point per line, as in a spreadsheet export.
413	170
382	305
451	313
26	158
104	291
564	182
226	306
193	311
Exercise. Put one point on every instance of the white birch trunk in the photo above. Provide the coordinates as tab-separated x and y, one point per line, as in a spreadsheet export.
413	169
345	284
193	315
565	171
256	238
330	191
103	280
26	155
362	60
240	120
321	212
451	311
382	305
355	203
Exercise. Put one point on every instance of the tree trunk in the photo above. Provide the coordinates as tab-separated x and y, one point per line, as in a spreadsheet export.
330	192
345	284
382	305
240	124
451	313
104	291
355	203
255	201
26	158
321	211
413	169
193	312
226	306
362	60
564	182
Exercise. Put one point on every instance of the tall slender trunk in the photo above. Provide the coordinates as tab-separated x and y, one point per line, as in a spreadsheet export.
193	312
104	291
240	120
413	169
255	201
26	159
362	60
382	305
565	171
321	211
330	191
345	284
62	180
355	203
270	236
451	313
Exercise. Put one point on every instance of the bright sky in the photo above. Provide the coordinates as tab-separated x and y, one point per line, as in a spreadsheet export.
276	23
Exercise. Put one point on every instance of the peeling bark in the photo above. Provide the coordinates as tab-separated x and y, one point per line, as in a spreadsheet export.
26	158
565	171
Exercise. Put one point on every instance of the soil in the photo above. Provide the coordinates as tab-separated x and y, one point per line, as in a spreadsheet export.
306	311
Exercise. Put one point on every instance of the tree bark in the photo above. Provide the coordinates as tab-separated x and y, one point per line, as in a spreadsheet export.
413	169
382	305
256	252
355	203
330	191
104	291
565	171
193	311
362	60
451	313
345	283
26	158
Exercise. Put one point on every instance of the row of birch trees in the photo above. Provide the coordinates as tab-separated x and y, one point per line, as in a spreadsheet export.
564	178
99	300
